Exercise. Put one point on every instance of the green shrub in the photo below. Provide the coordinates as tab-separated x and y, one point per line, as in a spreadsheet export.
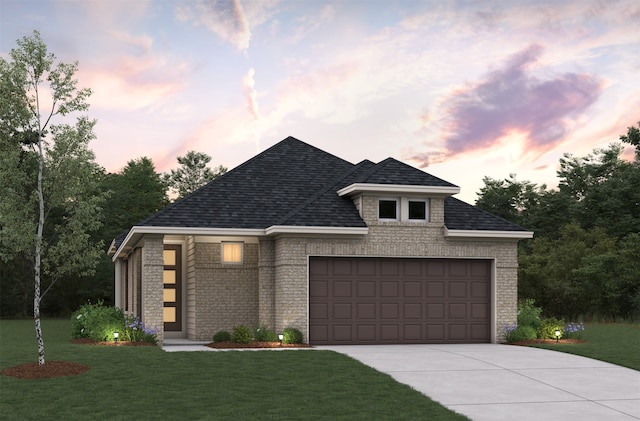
97	321
547	329
241	335
222	336
291	335
520	333
264	334
529	314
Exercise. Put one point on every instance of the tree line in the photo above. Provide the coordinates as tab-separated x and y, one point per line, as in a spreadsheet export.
584	259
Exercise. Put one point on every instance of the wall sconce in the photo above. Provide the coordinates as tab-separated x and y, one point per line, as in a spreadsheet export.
280	336
115	336
557	335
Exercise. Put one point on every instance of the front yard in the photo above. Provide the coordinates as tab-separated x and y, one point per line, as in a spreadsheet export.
146	383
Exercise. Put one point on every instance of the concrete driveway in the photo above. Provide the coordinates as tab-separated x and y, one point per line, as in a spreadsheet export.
506	382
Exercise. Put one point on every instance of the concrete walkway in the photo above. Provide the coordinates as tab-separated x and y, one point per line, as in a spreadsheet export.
506	382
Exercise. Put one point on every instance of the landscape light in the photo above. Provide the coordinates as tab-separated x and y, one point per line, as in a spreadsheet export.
115	336
557	335
280	336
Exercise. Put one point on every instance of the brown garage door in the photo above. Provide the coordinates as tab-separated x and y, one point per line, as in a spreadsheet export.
395	301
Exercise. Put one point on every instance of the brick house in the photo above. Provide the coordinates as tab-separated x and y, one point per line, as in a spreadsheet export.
349	254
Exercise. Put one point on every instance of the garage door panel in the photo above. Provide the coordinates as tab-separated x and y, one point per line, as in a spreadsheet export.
390	332
394	300
389	311
366	310
342	310
365	289
412	310
412	289
319	311
389	289
342	288
319	289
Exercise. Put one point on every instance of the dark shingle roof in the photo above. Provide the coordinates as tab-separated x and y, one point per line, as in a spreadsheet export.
459	215
295	184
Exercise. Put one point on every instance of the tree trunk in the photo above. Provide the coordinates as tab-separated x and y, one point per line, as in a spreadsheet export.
36	295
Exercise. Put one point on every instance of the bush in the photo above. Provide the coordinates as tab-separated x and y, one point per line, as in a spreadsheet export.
264	334
99	322
96	321
222	336
291	335
547	329
520	333
241	335
529	314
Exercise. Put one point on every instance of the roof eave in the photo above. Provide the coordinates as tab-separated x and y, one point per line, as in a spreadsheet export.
357	188
293	229
508	235
136	232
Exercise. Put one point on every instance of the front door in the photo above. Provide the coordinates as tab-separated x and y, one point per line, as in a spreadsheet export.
172	291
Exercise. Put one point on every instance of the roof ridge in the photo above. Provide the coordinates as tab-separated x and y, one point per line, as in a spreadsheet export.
374	169
320	192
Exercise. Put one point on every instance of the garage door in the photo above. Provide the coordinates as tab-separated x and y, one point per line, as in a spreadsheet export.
398	301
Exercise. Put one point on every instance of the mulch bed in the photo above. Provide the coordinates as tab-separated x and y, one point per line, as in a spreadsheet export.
52	369
254	344
549	342
89	341
49	369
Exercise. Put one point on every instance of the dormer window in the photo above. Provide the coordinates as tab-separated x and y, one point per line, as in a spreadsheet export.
388	209
417	210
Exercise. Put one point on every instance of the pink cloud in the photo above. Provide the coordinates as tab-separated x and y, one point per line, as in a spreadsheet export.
248	86
513	100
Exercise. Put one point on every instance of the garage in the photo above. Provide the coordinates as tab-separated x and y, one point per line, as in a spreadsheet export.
365	300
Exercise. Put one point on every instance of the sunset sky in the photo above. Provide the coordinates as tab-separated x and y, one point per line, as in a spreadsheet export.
461	89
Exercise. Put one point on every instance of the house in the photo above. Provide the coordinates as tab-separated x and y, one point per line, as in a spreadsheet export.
349	254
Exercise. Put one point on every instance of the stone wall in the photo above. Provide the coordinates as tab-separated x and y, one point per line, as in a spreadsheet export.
152	284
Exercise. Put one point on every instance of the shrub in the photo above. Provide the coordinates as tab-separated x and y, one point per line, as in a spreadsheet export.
96	321
547	329
520	333
222	336
574	330
291	335
529	314
241	335
264	334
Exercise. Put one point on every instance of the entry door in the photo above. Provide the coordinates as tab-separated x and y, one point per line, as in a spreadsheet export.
172	290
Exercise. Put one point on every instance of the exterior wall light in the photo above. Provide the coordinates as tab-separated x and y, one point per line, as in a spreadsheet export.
280	336
557	335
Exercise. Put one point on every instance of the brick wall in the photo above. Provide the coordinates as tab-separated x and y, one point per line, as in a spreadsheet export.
225	295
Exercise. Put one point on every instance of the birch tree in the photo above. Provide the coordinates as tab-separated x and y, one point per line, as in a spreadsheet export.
50	202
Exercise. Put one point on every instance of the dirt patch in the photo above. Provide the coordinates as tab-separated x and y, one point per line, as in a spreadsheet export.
89	341
254	344
49	369
549	342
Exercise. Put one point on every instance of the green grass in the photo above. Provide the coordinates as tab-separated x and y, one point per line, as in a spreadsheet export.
139	383
617	343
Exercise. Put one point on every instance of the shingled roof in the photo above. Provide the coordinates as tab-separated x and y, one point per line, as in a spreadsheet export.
295	184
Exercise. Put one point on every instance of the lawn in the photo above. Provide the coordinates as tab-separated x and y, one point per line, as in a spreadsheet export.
617	343
146	383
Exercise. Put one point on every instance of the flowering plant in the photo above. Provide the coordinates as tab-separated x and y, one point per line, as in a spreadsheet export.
574	330
136	331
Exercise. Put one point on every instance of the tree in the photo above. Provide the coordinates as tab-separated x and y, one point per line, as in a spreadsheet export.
50	198
192	174
633	138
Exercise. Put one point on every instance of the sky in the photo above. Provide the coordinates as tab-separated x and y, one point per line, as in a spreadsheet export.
460	89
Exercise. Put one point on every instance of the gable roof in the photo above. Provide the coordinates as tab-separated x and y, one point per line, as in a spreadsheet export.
293	184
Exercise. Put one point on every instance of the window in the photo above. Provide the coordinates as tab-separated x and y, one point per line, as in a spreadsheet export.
417	210
231	252
388	209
